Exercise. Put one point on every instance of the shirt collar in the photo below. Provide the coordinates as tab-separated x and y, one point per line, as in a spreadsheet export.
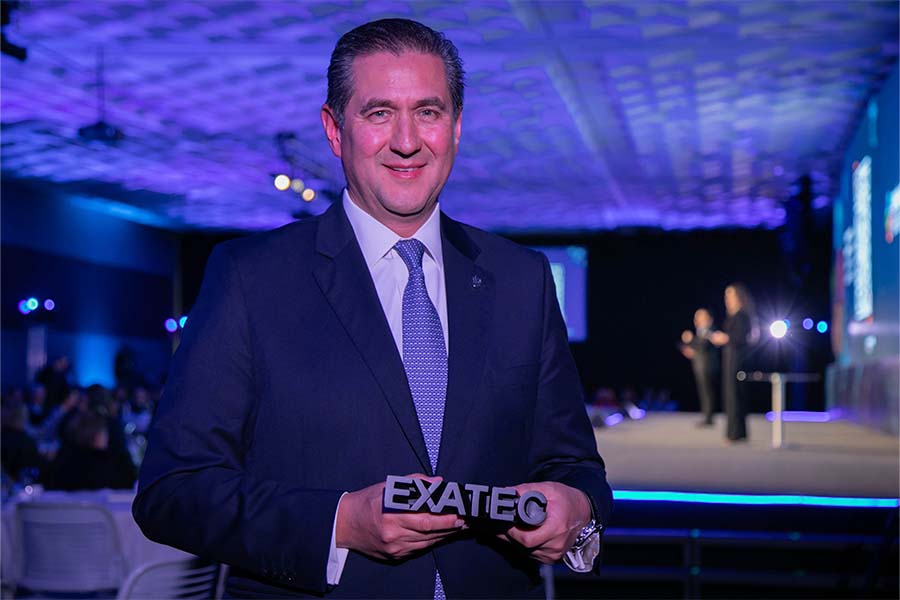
376	240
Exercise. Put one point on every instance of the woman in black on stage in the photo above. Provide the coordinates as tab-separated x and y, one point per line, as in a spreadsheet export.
739	333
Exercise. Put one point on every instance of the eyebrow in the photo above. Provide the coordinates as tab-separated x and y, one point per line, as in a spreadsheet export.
383	102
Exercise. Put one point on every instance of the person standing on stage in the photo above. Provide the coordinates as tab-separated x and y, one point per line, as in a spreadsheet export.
380	338
738	334
704	357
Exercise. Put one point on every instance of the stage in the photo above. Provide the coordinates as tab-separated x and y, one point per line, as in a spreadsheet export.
667	451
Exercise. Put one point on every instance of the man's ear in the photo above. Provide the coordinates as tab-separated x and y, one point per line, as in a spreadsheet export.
332	129
457	131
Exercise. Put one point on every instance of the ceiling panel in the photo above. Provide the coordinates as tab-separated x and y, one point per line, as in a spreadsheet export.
579	115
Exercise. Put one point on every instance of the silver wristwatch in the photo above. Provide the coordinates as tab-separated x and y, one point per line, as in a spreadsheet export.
585	549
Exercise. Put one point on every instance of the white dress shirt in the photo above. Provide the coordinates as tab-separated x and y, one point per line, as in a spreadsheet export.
390	274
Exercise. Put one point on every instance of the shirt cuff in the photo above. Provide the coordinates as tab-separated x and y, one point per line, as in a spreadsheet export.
336	556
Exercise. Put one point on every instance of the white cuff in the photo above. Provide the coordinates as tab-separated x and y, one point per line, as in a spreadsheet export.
336	556
582	560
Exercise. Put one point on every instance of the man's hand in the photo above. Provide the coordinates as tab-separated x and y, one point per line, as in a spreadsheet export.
363	526
718	338
568	511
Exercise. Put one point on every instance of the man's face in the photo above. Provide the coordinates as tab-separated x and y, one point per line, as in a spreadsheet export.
399	137
702	319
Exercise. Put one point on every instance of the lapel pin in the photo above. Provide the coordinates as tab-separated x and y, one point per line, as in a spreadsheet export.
476	281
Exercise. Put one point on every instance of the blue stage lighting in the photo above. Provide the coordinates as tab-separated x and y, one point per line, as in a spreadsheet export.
49	304
182	321
171	325
801	416
752	499
32	303
23	307
613	419
808	323
821	326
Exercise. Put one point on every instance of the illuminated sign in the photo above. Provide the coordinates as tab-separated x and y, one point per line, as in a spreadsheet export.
892	215
558	272
862	238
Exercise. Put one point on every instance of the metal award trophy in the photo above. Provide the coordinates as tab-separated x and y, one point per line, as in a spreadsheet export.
498	504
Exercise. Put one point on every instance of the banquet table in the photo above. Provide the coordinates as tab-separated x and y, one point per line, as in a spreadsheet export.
137	550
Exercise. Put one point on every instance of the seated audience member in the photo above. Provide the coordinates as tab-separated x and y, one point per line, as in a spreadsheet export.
38	409
55	379
138	410
89	458
18	451
48	432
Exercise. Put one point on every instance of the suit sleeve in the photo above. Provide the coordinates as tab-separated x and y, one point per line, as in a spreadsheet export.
195	489
564	448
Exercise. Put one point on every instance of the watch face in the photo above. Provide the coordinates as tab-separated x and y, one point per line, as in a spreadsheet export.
581	557
591	549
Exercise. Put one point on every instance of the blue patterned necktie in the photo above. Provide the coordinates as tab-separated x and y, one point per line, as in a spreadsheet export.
424	357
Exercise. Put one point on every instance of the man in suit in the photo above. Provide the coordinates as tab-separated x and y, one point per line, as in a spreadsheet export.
382	338
704	357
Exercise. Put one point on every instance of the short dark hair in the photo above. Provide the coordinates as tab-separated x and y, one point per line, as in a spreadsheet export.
395	36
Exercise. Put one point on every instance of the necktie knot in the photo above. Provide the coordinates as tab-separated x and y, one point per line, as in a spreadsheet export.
411	251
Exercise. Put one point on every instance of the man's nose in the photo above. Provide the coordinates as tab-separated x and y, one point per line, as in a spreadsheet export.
405	140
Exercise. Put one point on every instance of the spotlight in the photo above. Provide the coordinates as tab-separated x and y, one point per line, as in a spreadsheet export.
807	323
282	182
171	325
32	303
778	329
49	304
182	321
23	307
821	326
297	185
308	194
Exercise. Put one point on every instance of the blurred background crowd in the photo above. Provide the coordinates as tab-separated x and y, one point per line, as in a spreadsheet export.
65	437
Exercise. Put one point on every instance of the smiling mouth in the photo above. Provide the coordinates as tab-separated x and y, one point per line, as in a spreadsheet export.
404	168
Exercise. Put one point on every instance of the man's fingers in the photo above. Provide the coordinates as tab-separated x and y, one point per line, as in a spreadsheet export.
425	477
427	522
529	538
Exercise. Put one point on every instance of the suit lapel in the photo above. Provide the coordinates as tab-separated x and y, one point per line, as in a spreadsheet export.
470	297
344	279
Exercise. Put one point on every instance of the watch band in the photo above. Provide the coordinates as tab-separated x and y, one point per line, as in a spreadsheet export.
586	548
587	531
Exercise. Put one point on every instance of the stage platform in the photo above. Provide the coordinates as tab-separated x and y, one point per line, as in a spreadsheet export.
667	451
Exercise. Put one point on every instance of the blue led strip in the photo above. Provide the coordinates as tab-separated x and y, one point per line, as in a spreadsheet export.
765	500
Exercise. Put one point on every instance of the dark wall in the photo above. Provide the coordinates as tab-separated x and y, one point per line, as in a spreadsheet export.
645	285
643	288
111	280
92	298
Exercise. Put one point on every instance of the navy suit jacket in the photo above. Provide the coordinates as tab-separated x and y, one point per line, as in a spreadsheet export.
288	390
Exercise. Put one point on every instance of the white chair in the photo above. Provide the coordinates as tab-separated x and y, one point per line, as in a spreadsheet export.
180	578
68	547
